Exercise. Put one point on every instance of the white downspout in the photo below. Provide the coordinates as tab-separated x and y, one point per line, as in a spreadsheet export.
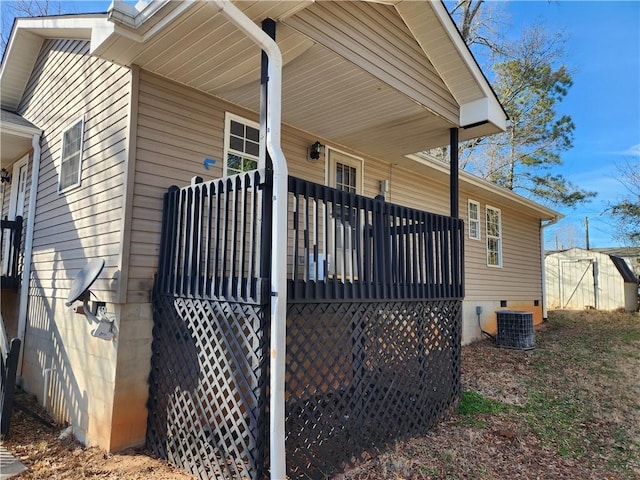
542	265
28	246
277	458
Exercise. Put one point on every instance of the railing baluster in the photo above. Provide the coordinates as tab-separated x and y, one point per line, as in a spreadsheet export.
253	239
207	274
243	234
317	240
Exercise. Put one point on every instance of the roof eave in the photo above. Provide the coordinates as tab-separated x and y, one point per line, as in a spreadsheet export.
545	213
481	108
26	40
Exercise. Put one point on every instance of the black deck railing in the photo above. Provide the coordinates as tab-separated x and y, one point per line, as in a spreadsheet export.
8	368
12	236
346	246
341	246
211	238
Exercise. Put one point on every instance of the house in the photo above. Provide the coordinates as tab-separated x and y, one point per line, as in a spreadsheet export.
322	232
578	279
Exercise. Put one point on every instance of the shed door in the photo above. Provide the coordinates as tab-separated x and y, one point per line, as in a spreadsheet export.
578	287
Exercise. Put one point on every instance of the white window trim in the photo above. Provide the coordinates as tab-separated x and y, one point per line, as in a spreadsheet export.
346	159
500	260
79	174
228	117
477	220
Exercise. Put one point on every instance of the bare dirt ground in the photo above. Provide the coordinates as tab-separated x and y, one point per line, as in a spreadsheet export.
569	409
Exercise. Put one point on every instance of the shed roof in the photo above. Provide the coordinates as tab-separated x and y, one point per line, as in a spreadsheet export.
624	269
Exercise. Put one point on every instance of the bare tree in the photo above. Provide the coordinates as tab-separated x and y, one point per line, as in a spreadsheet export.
627	210
481	25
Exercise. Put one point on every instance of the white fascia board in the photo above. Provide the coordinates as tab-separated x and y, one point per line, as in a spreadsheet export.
141	25
483	110
25	43
19	130
491	188
490	106
134	16
17	64
77	27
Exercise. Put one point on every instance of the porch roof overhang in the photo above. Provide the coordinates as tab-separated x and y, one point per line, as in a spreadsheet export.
16	136
338	82
473	185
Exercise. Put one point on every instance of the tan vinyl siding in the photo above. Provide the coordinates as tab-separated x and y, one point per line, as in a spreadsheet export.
177	129
520	276
84	222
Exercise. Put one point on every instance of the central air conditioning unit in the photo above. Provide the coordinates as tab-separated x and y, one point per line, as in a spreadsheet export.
515	330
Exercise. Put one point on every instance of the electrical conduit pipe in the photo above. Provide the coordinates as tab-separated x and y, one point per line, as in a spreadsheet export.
277	457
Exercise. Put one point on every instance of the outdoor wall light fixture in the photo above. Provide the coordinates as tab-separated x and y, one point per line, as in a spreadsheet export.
314	150
4	176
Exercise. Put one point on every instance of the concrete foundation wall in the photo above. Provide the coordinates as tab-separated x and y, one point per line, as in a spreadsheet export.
99	387
488	318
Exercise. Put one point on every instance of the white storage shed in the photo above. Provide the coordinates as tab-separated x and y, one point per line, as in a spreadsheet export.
577	279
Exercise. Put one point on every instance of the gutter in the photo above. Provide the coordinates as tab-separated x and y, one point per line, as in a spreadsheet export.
28	245
277	458
544	225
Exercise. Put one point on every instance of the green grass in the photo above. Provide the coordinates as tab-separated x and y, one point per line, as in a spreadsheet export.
577	378
630	336
472	403
558	420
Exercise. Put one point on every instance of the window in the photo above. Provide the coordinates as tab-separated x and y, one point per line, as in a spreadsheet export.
494	237
345	172
71	164
241	145
474	220
346	177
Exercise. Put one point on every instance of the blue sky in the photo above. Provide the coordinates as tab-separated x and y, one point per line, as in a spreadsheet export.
603	53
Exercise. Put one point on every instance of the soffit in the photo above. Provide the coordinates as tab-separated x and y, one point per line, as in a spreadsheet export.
325	92
13	147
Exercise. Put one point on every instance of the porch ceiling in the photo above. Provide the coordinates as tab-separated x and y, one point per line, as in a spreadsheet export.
325	92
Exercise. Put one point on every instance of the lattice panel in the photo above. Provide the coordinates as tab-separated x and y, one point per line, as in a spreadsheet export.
360	375
207	406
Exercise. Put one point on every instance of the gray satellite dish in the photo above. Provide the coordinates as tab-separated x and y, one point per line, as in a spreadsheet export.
82	283
80	291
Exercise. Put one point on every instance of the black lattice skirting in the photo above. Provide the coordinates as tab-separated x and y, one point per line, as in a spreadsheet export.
361	375
207	404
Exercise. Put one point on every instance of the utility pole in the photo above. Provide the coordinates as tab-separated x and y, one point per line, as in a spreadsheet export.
586	232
